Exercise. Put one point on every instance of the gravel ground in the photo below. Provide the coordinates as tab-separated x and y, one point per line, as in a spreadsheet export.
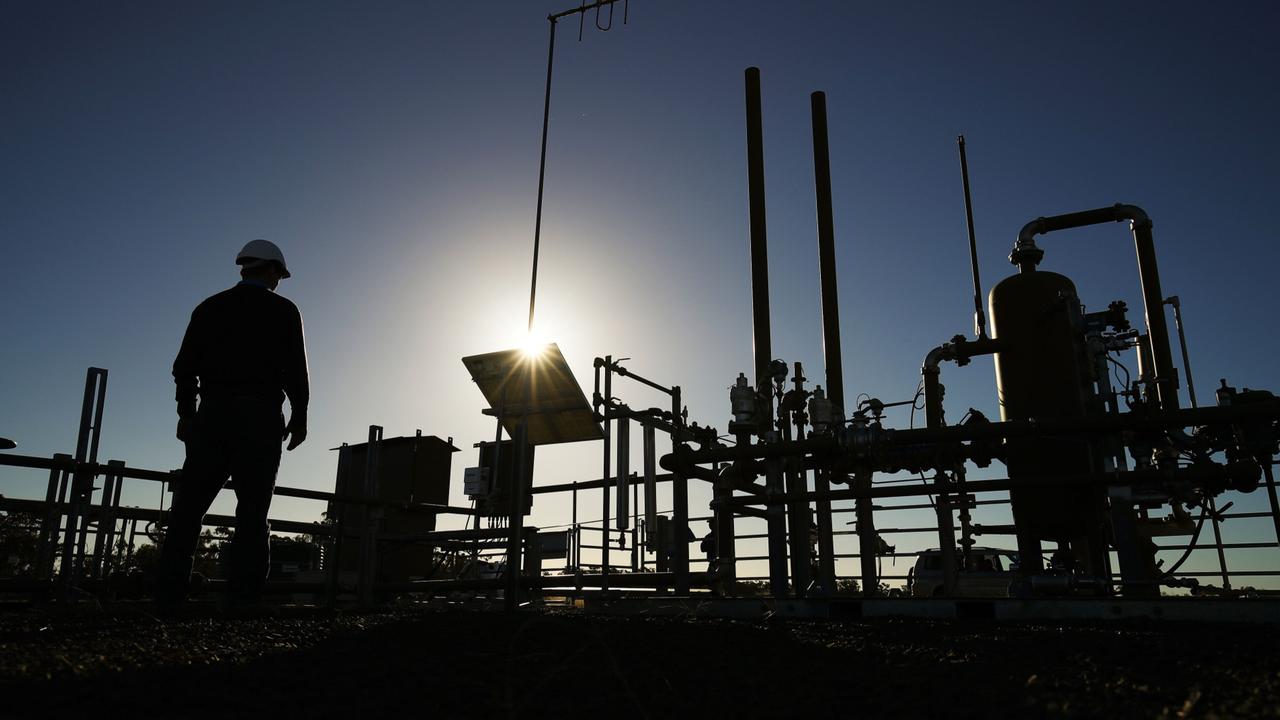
453	663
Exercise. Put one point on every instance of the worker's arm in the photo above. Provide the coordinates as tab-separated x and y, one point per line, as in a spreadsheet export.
296	384
186	374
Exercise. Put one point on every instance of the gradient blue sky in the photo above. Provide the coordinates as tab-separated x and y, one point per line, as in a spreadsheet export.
391	150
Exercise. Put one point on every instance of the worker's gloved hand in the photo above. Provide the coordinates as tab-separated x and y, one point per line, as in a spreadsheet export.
184	428
295	431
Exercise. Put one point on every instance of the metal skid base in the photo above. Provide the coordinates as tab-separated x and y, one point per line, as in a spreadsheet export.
1211	610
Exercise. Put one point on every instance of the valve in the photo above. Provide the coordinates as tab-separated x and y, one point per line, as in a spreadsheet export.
980	452
778	371
821	411
1257	439
742	401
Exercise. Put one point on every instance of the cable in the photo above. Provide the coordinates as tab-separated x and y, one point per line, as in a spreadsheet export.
1127	378
1204	512
607	26
915	403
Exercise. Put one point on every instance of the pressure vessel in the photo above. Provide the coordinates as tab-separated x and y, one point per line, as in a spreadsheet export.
1041	374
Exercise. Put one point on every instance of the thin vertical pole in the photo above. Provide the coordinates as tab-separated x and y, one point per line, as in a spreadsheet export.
650	486
102	533
133	535
97	415
575	538
680	503
494	472
53	500
1271	496
542	170
95	388
546	121
1191	393
338	516
796	482
373	514
636	556
624	472
115	513
797	519
604	505
979	315
1182	343
726	574
776	522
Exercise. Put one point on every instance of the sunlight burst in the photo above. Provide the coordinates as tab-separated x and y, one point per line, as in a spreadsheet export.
534	345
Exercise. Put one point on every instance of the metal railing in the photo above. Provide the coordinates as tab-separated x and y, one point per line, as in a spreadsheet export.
82	528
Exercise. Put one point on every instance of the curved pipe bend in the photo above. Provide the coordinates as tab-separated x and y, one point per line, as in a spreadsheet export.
933	359
959	351
1026	256
1113	213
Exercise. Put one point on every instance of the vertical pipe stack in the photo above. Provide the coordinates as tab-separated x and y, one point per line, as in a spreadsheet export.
760	332
830	325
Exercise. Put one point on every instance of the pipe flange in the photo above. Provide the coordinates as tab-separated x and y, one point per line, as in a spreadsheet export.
1026	255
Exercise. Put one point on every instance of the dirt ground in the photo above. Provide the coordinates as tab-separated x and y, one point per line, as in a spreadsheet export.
466	663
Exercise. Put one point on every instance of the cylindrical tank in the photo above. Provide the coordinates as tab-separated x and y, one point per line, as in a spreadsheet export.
1040	374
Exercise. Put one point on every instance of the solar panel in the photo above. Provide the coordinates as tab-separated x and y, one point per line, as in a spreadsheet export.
541	386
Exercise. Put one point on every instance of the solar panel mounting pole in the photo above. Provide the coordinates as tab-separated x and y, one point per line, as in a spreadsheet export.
546	118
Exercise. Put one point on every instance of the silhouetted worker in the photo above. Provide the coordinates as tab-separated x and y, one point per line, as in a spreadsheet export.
712	551
708	545
666	548
242	355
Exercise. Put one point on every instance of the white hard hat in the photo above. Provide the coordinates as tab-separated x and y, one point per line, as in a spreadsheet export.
256	252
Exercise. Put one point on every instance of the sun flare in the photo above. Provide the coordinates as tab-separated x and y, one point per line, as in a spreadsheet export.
534	345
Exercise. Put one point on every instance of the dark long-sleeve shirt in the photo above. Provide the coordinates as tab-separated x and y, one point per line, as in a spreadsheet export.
245	341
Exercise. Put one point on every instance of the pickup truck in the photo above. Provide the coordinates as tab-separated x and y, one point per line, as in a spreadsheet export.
988	573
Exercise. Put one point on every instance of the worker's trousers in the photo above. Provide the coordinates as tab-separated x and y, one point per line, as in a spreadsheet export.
236	438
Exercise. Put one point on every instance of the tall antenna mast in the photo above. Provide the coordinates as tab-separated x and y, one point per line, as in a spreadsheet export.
581	11
979	315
